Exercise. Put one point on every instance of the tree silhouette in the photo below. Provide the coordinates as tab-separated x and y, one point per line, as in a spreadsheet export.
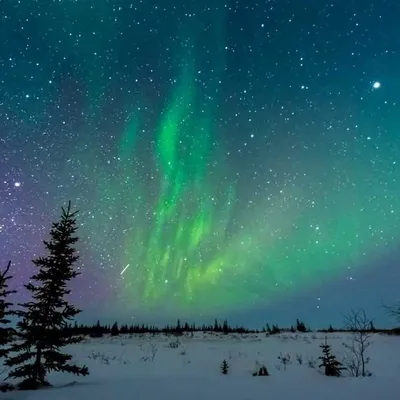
6	331
43	319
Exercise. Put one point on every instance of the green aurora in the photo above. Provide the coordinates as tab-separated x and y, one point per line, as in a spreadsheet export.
187	244
208	180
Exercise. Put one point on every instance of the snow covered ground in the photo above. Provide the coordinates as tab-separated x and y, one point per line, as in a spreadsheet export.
147	367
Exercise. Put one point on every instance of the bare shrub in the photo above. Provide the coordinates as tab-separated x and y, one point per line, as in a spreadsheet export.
174	344
104	359
393	311
284	360
149	351
98	356
299	359
312	362
356	358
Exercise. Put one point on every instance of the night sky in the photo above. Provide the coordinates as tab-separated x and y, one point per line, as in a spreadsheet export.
234	159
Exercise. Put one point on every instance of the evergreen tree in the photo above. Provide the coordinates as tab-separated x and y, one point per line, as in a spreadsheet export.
43	319
372	327
6	332
275	330
216	326
97	330
225	327
224	367
114	329
300	326
332	366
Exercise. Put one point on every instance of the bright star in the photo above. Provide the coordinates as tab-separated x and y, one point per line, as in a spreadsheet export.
376	85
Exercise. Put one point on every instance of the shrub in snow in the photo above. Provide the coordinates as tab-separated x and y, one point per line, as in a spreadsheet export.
103	359
331	366
174	344
98	356
356	359
224	367
312	363
299	359
149	351
284	360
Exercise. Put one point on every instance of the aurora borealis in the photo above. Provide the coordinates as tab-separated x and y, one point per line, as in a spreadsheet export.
224	155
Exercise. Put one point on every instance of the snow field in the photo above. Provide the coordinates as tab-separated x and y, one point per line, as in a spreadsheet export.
150	367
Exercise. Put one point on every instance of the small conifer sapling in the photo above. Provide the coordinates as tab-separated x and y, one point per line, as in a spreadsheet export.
332	367
224	367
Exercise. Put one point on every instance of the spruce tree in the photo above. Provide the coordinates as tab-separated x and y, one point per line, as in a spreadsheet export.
300	326
224	367
225	327
6	332
43	319
115	329
275	330
97	330
331	366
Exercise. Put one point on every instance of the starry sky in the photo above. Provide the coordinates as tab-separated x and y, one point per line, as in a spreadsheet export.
228	158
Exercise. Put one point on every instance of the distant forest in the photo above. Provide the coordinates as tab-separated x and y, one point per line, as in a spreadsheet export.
98	330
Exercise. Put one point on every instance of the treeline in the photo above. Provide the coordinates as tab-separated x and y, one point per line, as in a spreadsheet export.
98	330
